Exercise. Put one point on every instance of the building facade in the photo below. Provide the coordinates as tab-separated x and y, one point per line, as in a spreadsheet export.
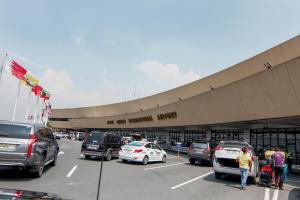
257	100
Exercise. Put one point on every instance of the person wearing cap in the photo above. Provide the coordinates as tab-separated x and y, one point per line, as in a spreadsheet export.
245	165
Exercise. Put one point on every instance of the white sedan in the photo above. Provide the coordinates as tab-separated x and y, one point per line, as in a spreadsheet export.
143	152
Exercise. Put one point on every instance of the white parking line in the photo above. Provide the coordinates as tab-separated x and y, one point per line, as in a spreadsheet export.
267	194
189	181
72	171
60	153
275	195
165	166
170	157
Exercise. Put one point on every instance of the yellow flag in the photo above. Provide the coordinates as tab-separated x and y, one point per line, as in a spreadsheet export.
30	80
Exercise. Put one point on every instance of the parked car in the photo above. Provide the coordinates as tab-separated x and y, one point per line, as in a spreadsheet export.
80	136
225	157
143	152
27	146
11	194
201	151
101	144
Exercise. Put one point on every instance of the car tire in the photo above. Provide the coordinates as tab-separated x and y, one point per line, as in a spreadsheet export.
53	163
39	172
124	161
218	175
108	155
87	157
164	159
192	161
145	160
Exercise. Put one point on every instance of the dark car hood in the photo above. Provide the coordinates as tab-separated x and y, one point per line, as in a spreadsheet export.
11	194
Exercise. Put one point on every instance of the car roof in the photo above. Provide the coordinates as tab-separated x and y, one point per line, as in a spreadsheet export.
22	123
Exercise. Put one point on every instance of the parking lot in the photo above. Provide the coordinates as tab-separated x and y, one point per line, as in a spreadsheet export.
77	178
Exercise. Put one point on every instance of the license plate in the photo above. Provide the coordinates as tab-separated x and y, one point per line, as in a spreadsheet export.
93	147
7	147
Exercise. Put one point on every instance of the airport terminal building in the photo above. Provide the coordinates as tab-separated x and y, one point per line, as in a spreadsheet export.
257	100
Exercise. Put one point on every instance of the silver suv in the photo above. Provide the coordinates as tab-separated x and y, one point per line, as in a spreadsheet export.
27	146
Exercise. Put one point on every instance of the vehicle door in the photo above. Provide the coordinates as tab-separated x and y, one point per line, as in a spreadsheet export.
45	142
150	151
157	152
52	141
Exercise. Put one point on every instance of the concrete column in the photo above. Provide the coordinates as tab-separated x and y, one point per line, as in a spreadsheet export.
208	135
246	135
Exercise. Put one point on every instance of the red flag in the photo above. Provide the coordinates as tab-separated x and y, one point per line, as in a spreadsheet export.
18	71
37	90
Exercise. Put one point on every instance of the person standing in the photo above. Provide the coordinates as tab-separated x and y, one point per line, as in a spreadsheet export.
278	160
245	165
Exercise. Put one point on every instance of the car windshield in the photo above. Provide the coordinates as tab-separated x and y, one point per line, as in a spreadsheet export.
200	145
136	144
14	131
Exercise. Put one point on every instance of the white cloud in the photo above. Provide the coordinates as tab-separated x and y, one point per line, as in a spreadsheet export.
168	76
153	77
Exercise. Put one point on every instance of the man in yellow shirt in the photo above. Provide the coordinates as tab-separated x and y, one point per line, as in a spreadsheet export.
245	164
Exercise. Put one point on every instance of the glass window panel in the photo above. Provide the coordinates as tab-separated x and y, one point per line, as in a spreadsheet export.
298	145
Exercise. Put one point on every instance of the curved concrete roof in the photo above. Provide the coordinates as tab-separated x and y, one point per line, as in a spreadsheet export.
185	95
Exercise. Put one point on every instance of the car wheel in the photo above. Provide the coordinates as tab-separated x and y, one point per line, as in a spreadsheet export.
164	159
108	156
53	163
218	175
145	160
39	172
124	161
87	157
192	161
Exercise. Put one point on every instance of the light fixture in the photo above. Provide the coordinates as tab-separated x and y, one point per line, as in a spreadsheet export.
268	65
211	87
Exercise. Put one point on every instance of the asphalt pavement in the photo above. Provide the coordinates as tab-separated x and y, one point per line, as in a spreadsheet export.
77	178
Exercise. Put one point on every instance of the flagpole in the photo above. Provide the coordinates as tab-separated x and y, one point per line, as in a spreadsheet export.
2	66
40	120
35	110
28	104
46	115
16	103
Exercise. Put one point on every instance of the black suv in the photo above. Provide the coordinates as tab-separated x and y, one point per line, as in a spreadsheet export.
27	146
101	144
201	151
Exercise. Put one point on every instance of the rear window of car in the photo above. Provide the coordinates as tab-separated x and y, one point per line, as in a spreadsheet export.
236	145
200	145
136	144
14	131
95	137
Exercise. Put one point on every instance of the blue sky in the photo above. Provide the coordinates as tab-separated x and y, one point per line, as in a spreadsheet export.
112	48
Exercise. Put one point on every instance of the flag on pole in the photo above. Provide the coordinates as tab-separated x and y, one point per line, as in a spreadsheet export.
18	71
30	80
45	95
37	90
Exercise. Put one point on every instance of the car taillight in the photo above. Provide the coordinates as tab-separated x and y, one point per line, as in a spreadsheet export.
138	150
32	140
219	147
18	194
